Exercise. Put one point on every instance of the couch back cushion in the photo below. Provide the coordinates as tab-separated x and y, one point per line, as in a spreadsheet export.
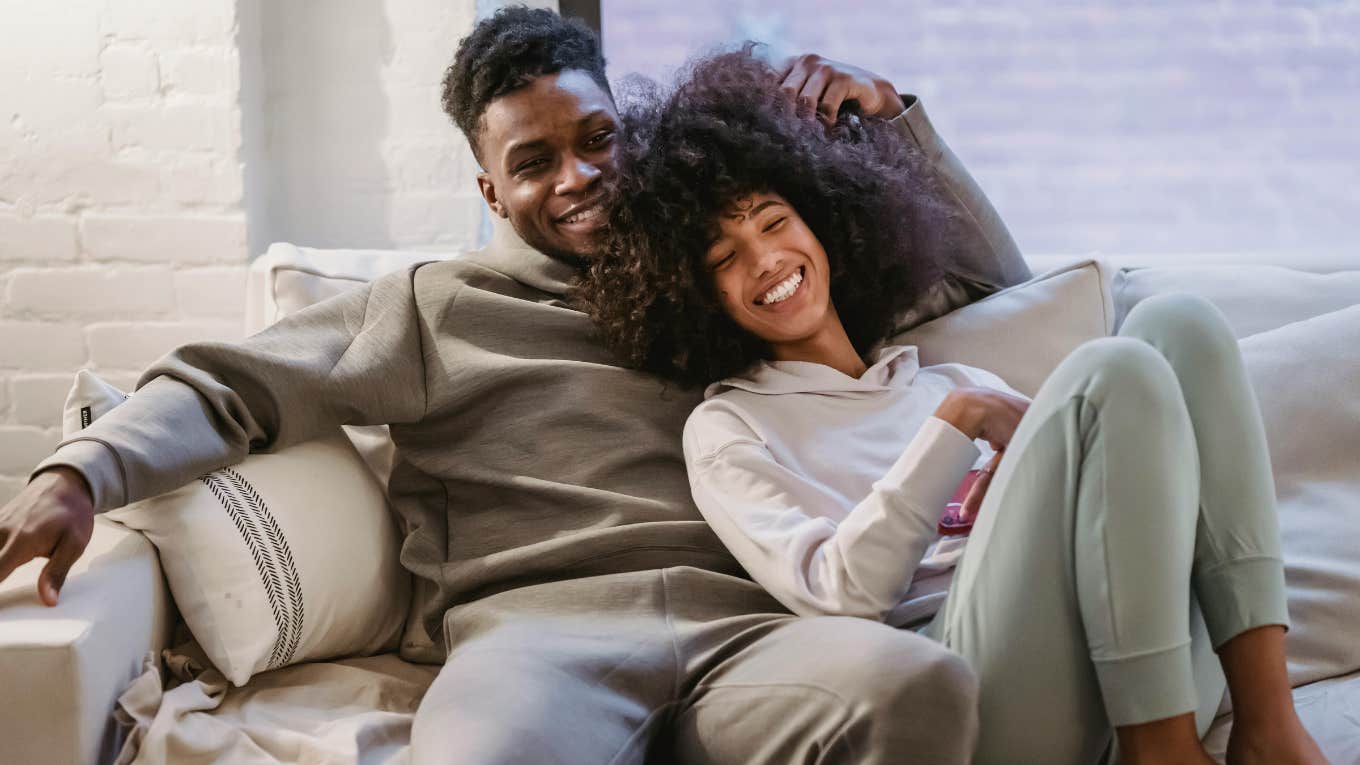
1254	298
1307	381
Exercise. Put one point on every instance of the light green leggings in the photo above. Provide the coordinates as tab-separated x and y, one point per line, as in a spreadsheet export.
1129	530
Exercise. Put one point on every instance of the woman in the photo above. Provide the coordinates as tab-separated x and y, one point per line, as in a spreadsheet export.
1124	511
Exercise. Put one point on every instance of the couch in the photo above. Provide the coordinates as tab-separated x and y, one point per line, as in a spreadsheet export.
108	670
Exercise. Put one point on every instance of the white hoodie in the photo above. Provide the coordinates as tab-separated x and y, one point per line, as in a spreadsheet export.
828	489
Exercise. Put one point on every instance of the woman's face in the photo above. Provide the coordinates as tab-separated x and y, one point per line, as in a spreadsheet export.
770	272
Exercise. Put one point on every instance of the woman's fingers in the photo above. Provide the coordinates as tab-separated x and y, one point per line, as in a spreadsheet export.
973	502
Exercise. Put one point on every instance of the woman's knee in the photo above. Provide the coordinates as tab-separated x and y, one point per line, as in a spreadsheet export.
1183	326
1124	371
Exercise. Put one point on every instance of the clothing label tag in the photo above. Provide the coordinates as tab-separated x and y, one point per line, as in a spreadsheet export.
85	417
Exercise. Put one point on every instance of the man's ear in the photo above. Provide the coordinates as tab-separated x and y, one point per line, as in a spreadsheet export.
488	189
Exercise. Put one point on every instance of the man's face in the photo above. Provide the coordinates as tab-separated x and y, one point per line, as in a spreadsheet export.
548	152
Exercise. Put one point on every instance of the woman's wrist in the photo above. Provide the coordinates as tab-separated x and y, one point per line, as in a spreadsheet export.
956	411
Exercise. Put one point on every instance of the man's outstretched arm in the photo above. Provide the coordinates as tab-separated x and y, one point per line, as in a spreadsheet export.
354	359
982	256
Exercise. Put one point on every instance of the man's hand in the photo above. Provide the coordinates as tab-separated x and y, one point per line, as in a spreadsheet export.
828	84
53	518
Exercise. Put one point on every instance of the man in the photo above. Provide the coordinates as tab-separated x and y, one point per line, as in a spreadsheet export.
586	612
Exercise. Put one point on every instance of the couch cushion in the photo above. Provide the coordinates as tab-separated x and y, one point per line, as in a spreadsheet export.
1255	298
1022	332
286	557
1307	381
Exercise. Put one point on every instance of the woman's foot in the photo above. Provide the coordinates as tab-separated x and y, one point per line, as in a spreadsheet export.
1171	741
1275	744
1266	729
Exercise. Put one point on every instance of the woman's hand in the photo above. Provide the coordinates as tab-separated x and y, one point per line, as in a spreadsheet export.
978	490
984	413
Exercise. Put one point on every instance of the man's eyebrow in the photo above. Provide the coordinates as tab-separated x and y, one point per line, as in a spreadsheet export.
593	115
753	212
540	143
517	147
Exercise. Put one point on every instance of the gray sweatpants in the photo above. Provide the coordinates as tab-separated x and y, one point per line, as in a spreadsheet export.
683	665
1129	530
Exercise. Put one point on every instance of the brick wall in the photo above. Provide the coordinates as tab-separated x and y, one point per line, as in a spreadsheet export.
122	231
149	148
1117	126
346	143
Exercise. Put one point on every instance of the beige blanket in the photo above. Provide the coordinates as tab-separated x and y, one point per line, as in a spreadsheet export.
182	710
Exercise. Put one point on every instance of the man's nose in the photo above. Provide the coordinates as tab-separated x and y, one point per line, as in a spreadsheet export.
578	175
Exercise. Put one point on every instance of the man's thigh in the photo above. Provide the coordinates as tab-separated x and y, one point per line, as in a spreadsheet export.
827	689
556	677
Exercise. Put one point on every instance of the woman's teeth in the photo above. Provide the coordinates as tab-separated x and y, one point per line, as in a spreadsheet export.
783	290
586	214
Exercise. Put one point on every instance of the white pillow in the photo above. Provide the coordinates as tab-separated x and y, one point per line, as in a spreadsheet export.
1307	380
1022	332
284	558
1254	298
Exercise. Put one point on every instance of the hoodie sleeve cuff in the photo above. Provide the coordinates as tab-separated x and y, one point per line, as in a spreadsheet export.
98	463
931	467
914	125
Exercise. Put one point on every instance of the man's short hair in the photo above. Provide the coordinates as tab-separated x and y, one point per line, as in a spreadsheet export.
506	52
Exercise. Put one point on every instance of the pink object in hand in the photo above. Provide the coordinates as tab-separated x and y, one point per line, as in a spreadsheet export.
951	525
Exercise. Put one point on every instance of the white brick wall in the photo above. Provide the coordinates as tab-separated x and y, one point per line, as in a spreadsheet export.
356	151
122	223
139	137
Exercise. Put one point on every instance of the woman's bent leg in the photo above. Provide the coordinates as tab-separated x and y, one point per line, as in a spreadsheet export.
1072	601
1238	573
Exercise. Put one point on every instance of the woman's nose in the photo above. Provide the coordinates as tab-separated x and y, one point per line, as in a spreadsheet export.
768	261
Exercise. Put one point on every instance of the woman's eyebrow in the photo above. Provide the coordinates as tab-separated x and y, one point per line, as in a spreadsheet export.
741	216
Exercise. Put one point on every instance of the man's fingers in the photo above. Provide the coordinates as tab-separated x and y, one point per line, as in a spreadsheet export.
832	98
815	85
794	81
53	575
12	556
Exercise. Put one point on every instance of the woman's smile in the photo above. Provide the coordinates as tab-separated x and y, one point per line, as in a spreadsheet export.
781	296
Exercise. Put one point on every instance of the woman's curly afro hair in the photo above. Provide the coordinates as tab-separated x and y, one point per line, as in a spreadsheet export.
725	132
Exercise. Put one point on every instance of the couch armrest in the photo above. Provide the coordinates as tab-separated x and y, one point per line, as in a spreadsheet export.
63	668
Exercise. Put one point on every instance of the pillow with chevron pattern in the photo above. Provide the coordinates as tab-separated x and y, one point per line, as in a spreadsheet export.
286	557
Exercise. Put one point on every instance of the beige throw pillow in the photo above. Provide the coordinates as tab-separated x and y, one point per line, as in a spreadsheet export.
284	558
